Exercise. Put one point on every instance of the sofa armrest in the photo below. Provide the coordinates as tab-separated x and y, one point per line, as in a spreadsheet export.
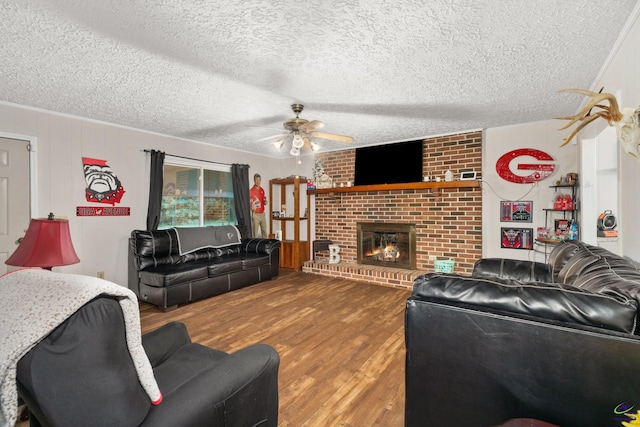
259	246
133	280
513	269
238	389
161	343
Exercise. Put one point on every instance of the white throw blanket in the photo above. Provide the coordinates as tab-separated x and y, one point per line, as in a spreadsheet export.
34	302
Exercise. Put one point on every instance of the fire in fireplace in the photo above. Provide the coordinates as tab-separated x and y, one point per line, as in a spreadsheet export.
387	244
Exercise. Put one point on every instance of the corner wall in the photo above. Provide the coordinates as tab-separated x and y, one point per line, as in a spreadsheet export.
543	136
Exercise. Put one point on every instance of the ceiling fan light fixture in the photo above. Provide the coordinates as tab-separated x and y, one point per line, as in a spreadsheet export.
300	131
297	142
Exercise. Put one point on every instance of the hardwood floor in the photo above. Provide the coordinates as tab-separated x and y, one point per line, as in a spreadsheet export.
341	344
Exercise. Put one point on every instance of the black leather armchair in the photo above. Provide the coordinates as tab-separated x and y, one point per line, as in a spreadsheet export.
83	374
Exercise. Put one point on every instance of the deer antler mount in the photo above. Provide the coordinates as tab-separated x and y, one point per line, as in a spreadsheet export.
626	122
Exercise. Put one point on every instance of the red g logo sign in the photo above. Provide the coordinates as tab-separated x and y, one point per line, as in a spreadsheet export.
541	170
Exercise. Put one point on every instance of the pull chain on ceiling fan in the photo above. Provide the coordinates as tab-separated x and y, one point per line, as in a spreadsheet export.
301	131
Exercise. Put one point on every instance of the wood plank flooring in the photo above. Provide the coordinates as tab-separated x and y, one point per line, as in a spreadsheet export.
341	344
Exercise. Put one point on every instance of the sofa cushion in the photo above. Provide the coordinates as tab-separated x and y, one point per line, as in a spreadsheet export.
597	270
614	311
586	260
224	265
229	250
604	280
502	268
260	246
172	274
561	253
203	254
253	261
189	361
576	265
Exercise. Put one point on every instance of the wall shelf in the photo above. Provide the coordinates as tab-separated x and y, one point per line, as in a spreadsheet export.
550	214
404	186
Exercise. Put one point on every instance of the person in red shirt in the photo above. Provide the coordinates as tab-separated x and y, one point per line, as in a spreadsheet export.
258	202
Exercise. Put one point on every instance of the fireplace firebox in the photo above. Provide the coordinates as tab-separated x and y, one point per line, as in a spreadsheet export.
387	244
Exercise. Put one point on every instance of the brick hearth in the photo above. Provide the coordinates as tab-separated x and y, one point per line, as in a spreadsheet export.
393	277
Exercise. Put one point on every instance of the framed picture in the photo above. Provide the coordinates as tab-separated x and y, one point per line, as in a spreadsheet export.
516	238
516	211
545	233
561	229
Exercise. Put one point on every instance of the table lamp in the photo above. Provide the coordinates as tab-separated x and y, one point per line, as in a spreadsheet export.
46	244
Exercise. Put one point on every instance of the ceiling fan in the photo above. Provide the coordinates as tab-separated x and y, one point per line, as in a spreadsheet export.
301	131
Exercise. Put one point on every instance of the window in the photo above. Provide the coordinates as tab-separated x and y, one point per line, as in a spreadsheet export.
196	194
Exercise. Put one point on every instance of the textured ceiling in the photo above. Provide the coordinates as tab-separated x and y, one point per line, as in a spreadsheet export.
226	73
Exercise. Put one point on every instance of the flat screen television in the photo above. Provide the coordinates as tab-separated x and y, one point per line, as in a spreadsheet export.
395	163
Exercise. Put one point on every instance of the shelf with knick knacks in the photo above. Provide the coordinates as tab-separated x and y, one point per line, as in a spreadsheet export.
561	220
390	187
324	184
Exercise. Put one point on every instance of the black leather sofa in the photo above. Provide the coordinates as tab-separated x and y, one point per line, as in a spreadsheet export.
160	274
556	342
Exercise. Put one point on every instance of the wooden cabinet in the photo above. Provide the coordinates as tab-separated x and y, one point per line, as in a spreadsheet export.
289	219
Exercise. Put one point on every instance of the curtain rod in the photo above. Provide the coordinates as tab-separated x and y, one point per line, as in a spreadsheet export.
189	158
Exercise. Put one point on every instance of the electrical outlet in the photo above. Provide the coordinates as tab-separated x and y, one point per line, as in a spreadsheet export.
100	274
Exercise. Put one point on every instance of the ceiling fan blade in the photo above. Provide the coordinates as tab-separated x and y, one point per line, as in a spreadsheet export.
279	135
332	136
311	126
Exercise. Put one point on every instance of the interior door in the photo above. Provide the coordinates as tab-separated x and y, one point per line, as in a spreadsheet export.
14	196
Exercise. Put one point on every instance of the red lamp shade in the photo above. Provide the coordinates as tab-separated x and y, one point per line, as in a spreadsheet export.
47	244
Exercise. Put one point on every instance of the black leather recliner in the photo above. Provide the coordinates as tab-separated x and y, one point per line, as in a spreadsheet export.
82	374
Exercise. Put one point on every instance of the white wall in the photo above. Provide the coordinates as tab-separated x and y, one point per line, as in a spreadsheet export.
620	76
542	136
600	184
62	141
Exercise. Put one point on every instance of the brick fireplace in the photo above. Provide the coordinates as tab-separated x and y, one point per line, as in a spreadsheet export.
448	221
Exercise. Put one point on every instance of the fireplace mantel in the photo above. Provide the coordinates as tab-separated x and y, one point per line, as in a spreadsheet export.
390	187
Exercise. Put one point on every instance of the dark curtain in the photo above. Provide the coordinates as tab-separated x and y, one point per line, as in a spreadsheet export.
156	183
240	179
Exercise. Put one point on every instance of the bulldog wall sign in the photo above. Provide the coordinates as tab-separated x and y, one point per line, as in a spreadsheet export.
520	159
104	187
